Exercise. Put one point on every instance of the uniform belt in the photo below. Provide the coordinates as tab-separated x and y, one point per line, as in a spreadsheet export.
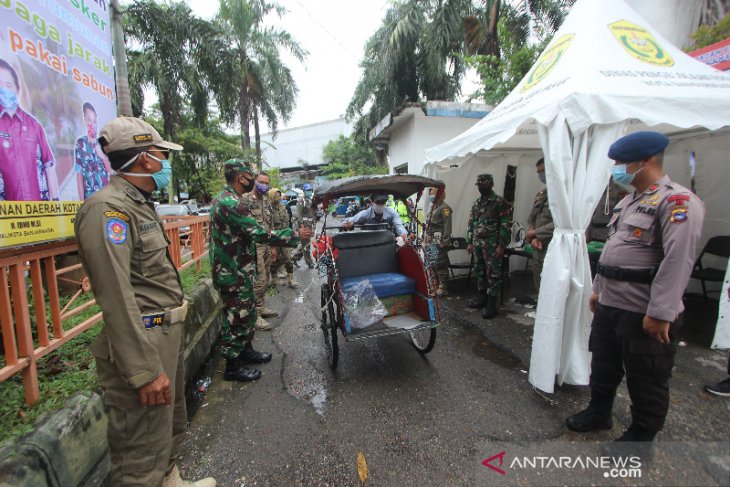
642	276
168	317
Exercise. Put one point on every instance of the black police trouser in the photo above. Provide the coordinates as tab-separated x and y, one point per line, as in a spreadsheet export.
619	344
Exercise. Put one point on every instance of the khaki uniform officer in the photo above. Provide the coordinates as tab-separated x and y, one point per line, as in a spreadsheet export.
637	294
281	220
439	232
260	208
540	226
139	352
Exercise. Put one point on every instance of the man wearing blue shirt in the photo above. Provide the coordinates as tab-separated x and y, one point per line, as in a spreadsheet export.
378	213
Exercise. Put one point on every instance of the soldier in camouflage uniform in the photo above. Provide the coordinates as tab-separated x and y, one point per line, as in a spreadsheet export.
233	234
260	208
281	220
439	233
487	235
305	217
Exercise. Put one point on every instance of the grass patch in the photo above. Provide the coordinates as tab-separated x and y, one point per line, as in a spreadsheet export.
68	370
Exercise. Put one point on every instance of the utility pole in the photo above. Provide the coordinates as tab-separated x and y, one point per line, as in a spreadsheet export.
124	101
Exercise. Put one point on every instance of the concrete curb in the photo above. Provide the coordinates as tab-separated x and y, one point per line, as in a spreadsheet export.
69	447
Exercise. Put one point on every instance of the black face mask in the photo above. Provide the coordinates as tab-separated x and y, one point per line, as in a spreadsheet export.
485	190
248	184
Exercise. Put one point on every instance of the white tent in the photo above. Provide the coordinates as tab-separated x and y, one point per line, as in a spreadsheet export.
605	72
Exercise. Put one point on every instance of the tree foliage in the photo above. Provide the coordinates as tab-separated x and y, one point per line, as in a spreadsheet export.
346	156
710	34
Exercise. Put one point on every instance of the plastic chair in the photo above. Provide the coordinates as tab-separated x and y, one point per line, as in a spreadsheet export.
718	246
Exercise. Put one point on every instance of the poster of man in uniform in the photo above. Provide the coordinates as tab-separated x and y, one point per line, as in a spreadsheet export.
56	90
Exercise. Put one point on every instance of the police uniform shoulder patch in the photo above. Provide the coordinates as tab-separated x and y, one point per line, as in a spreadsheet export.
116	214
679	214
446	212
678	199
116	230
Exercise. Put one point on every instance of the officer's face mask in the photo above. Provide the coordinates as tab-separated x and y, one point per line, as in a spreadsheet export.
541	177
8	99
432	199
308	194
246	183
621	177
485	190
161	178
379	208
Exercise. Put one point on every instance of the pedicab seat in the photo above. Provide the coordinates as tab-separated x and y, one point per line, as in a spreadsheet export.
371	255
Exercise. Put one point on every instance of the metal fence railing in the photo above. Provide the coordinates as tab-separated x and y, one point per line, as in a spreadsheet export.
33	321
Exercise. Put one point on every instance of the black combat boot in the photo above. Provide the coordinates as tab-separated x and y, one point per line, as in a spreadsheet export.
490	311
635	442
480	302
590	419
251	356
235	370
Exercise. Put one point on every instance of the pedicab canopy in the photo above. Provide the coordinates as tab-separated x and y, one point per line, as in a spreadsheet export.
399	185
606	72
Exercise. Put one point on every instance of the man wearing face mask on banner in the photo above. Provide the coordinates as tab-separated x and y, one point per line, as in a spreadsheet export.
27	164
378	213
261	210
540	226
637	295
140	350
91	166
487	235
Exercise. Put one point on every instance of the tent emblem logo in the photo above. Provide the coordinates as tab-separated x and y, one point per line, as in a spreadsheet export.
547	62
640	44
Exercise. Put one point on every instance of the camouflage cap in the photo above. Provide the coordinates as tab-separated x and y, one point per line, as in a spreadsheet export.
238	165
485	179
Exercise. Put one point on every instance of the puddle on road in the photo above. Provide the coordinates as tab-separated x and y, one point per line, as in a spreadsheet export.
299	298
474	340
319	400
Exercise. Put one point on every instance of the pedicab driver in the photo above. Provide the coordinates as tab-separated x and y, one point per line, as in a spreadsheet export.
139	352
378	213
637	294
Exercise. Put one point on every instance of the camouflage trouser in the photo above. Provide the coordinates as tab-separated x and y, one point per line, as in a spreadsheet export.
441	267
538	257
283	262
304	248
488	268
239	313
263	269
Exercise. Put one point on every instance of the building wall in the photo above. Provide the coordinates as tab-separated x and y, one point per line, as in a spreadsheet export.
301	143
408	143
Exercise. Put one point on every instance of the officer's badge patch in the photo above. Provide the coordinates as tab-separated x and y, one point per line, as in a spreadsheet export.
116	230
446	212
679	215
637	232
116	214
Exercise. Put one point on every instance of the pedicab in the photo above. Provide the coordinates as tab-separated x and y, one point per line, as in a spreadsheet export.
354	265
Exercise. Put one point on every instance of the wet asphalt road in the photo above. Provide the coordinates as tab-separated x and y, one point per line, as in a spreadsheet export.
417	420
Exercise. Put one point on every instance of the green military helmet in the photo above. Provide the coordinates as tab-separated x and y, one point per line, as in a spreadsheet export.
485	179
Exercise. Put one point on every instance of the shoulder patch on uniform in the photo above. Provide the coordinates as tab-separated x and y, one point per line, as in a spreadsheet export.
116	214
651	189
679	215
446	212
116	230
678	199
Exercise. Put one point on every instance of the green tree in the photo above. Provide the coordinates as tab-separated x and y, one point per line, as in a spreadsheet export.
251	80
710	34
346	156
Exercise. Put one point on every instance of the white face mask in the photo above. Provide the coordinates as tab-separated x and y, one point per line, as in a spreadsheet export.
379	209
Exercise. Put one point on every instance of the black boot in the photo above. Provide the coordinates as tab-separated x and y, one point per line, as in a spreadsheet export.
251	356
635	442
490	311
237	371
480	302
590	419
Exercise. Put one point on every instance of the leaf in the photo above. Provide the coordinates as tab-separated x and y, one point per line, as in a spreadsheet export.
362	468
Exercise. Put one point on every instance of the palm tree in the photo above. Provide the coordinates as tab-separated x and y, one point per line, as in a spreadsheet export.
124	102
252	80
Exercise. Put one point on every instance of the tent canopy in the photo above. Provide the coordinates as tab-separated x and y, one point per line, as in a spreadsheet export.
604	65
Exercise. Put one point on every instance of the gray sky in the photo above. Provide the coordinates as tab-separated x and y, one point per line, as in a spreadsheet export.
334	32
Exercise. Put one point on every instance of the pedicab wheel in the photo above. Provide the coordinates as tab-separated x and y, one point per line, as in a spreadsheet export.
423	340
334	354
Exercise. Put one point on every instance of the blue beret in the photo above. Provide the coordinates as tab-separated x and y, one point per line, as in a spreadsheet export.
637	146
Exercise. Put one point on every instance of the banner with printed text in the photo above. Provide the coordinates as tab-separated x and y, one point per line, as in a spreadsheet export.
56	92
